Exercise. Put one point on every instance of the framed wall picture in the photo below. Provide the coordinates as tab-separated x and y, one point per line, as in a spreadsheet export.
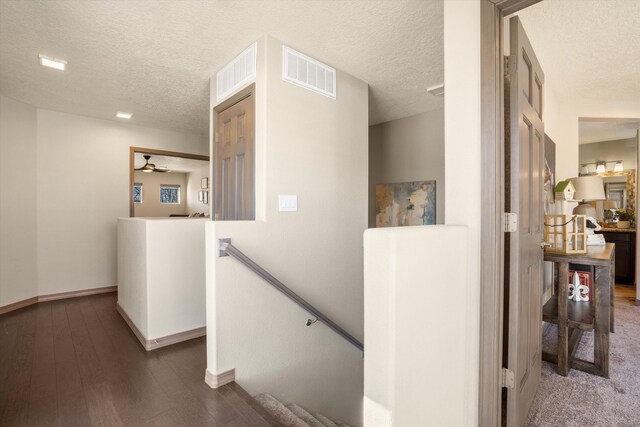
204	183
205	197
200	196
406	203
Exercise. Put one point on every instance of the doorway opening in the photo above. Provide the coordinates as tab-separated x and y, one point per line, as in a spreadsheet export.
609	149
168	183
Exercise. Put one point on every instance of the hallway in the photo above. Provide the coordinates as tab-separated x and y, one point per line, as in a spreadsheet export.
75	362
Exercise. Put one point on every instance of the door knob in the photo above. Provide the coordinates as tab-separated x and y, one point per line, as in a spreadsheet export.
544	245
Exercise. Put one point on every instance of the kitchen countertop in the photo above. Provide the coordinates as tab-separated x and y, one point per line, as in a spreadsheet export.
618	230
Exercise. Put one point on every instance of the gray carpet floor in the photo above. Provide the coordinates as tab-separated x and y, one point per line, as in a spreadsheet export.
582	399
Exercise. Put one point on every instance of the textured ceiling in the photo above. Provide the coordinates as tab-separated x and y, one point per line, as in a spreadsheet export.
596	131
174	164
154	58
588	49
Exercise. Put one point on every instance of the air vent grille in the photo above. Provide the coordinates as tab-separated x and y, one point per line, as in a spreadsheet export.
308	73
237	73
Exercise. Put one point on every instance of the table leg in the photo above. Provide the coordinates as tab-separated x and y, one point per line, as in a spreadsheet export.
563	330
602	305
613	288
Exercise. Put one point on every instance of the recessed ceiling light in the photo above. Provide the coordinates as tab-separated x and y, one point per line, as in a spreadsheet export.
123	115
436	90
58	64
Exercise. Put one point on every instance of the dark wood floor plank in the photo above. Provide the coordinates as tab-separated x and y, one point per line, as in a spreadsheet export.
43	402
169	418
88	362
102	411
137	398
72	405
189	366
8	346
76	363
192	410
97	392
16	408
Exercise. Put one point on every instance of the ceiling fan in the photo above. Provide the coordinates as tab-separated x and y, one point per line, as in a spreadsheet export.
150	167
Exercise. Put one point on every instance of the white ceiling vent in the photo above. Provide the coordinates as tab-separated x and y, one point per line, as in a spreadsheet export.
237	73
308	73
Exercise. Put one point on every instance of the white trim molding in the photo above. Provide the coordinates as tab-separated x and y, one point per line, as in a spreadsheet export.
53	297
218	380
152	344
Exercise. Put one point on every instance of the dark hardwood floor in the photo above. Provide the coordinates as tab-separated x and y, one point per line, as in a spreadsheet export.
75	362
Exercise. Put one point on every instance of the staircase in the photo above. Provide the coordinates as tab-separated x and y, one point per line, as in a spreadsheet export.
292	415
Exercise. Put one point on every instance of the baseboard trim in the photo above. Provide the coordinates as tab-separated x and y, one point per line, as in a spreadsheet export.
53	297
162	341
76	294
218	380
18	305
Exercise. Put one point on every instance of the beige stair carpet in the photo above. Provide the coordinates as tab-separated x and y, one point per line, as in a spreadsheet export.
280	412
304	415
324	420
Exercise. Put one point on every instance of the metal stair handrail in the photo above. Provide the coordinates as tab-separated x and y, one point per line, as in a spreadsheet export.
227	249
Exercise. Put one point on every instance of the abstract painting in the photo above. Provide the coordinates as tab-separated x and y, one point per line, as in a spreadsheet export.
406	203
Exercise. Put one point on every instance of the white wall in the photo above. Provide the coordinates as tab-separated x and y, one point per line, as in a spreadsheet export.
193	187
408	149
151	206
18	201
619	149
79	185
416	346
315	147
463	166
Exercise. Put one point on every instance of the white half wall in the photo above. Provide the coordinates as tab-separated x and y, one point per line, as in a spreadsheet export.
161	274
416	344
18	202
316	148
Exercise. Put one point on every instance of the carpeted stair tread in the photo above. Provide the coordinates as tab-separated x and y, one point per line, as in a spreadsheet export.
304	415
324	420
281	413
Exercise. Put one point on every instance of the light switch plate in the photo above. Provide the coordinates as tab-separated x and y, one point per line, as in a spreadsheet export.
287	203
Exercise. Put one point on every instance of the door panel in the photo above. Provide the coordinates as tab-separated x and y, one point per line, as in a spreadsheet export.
235	161
524	87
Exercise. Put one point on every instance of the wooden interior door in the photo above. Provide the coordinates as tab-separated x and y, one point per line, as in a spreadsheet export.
235	199
524	138
636	280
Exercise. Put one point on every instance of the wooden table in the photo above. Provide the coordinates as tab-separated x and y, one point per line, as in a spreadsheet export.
573	318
